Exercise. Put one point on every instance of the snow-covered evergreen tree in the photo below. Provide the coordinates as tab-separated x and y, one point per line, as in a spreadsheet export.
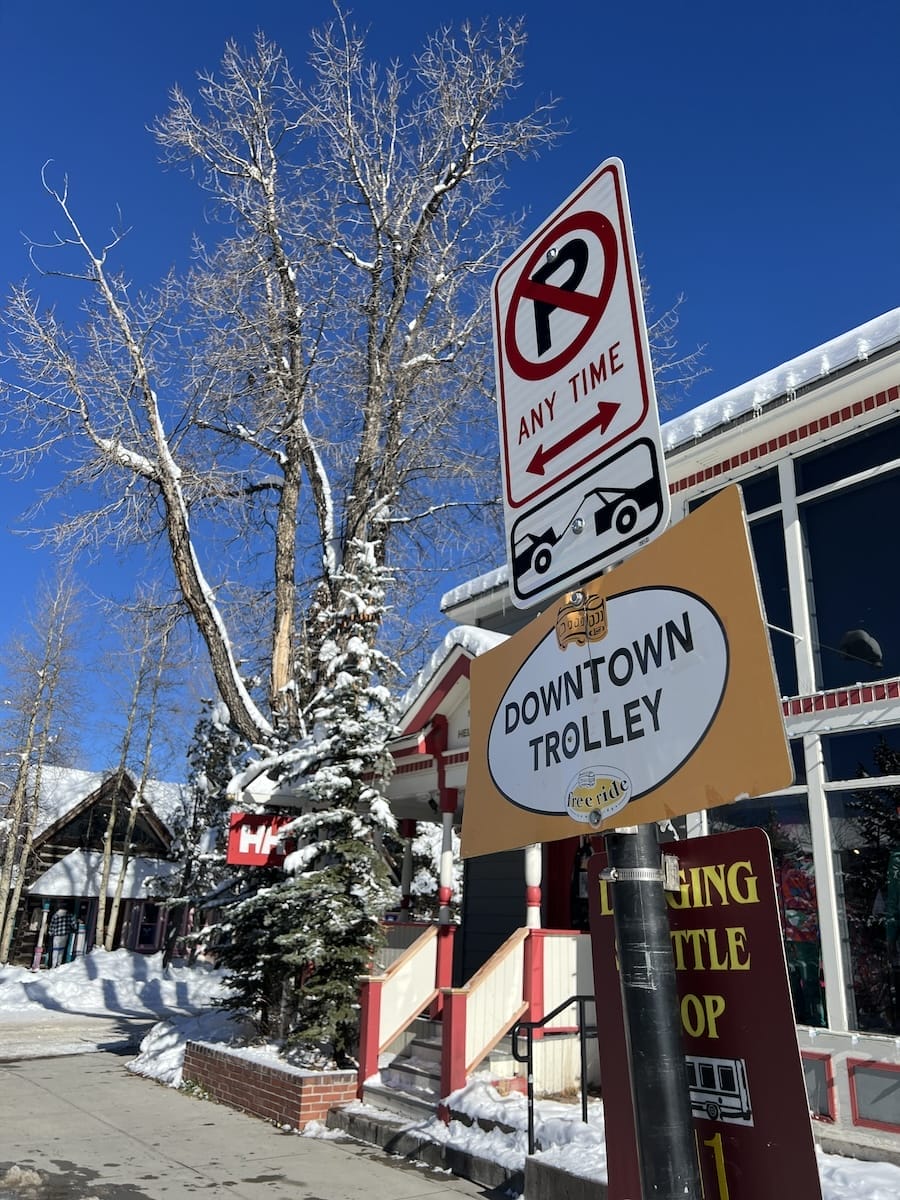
301	939
215	754
425	881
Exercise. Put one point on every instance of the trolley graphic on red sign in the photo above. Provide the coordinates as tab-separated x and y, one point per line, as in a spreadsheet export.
574	391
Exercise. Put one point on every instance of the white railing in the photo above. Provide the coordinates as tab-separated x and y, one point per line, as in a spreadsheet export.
408	986
568	971
495	998
399	936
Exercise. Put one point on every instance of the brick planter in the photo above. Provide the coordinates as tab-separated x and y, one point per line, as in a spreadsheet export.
280	1093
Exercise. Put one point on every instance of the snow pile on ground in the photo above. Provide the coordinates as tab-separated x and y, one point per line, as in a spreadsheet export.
564	1141
113	983
850	1179
161	1054
560	1136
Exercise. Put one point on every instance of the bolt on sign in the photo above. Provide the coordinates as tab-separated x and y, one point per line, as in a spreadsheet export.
742	1063
583	467
647	694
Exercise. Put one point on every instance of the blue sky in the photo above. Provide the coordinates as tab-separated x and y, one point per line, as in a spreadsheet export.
760	145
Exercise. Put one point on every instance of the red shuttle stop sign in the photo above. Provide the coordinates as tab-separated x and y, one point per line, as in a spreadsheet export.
748	1096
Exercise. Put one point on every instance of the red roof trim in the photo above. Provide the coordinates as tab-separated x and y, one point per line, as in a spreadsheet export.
790	438
863	693
457	668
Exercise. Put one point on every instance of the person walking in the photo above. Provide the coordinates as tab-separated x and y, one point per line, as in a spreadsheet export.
61	925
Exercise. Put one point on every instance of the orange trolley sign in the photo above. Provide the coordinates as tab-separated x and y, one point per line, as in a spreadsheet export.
584	481
647	694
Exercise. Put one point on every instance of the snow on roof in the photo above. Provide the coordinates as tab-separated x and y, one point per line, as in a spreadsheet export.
169	801
80	872
469	638
63	788
497	578
857	345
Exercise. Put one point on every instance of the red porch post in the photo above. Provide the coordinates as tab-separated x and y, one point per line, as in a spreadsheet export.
533	976
453	1051
369	1028
443	970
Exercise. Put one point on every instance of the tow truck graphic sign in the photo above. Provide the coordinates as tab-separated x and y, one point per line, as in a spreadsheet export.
575	394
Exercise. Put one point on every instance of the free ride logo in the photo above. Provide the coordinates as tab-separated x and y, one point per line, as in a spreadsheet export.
596	794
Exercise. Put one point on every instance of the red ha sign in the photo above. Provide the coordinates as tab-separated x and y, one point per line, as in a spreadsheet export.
253	840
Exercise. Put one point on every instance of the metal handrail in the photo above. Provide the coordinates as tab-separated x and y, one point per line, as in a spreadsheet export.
528	1028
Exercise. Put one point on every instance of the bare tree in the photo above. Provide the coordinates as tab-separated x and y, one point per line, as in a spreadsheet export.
675	370
148	640
152	683
309	402
41	705
321	375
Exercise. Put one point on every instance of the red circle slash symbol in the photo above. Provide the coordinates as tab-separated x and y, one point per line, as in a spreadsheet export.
547	297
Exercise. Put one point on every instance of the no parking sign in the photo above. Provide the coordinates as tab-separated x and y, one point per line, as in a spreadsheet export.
584	481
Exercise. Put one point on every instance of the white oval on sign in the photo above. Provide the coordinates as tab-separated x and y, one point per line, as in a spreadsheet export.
584	729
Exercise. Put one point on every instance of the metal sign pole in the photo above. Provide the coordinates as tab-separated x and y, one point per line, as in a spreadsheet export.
659	1087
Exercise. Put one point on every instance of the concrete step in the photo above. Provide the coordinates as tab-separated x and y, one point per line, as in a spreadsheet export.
422	1028
402	1106
423	1050
406	1075
538	1180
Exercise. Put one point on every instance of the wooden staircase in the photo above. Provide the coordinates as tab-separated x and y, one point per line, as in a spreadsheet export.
410	1062
409	1081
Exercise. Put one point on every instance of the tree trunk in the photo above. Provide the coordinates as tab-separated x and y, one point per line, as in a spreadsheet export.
109	939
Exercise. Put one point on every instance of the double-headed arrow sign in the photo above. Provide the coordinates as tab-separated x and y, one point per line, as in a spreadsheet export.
574	380
600	422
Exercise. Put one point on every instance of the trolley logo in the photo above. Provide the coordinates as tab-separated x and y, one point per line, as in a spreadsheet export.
582	736
579	624
594	797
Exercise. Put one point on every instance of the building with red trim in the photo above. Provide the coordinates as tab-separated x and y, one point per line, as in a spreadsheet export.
815	446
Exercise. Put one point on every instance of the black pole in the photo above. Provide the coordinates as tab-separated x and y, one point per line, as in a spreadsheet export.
659	1087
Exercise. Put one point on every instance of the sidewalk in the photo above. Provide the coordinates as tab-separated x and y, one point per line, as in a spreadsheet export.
65	1033
91	1129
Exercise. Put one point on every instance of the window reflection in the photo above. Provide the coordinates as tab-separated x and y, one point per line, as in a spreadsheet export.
860	754
848	457
786	822
761	491
854	581
767	537
866	835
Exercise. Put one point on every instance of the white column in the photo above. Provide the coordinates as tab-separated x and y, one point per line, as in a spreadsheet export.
445	892
533	869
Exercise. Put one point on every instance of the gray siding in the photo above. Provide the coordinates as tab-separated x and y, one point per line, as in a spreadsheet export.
493	907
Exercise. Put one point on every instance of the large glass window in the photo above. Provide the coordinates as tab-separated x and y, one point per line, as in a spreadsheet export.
786	821
865	835
796	748
855	576
767	537
849	457
861	754
761	491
